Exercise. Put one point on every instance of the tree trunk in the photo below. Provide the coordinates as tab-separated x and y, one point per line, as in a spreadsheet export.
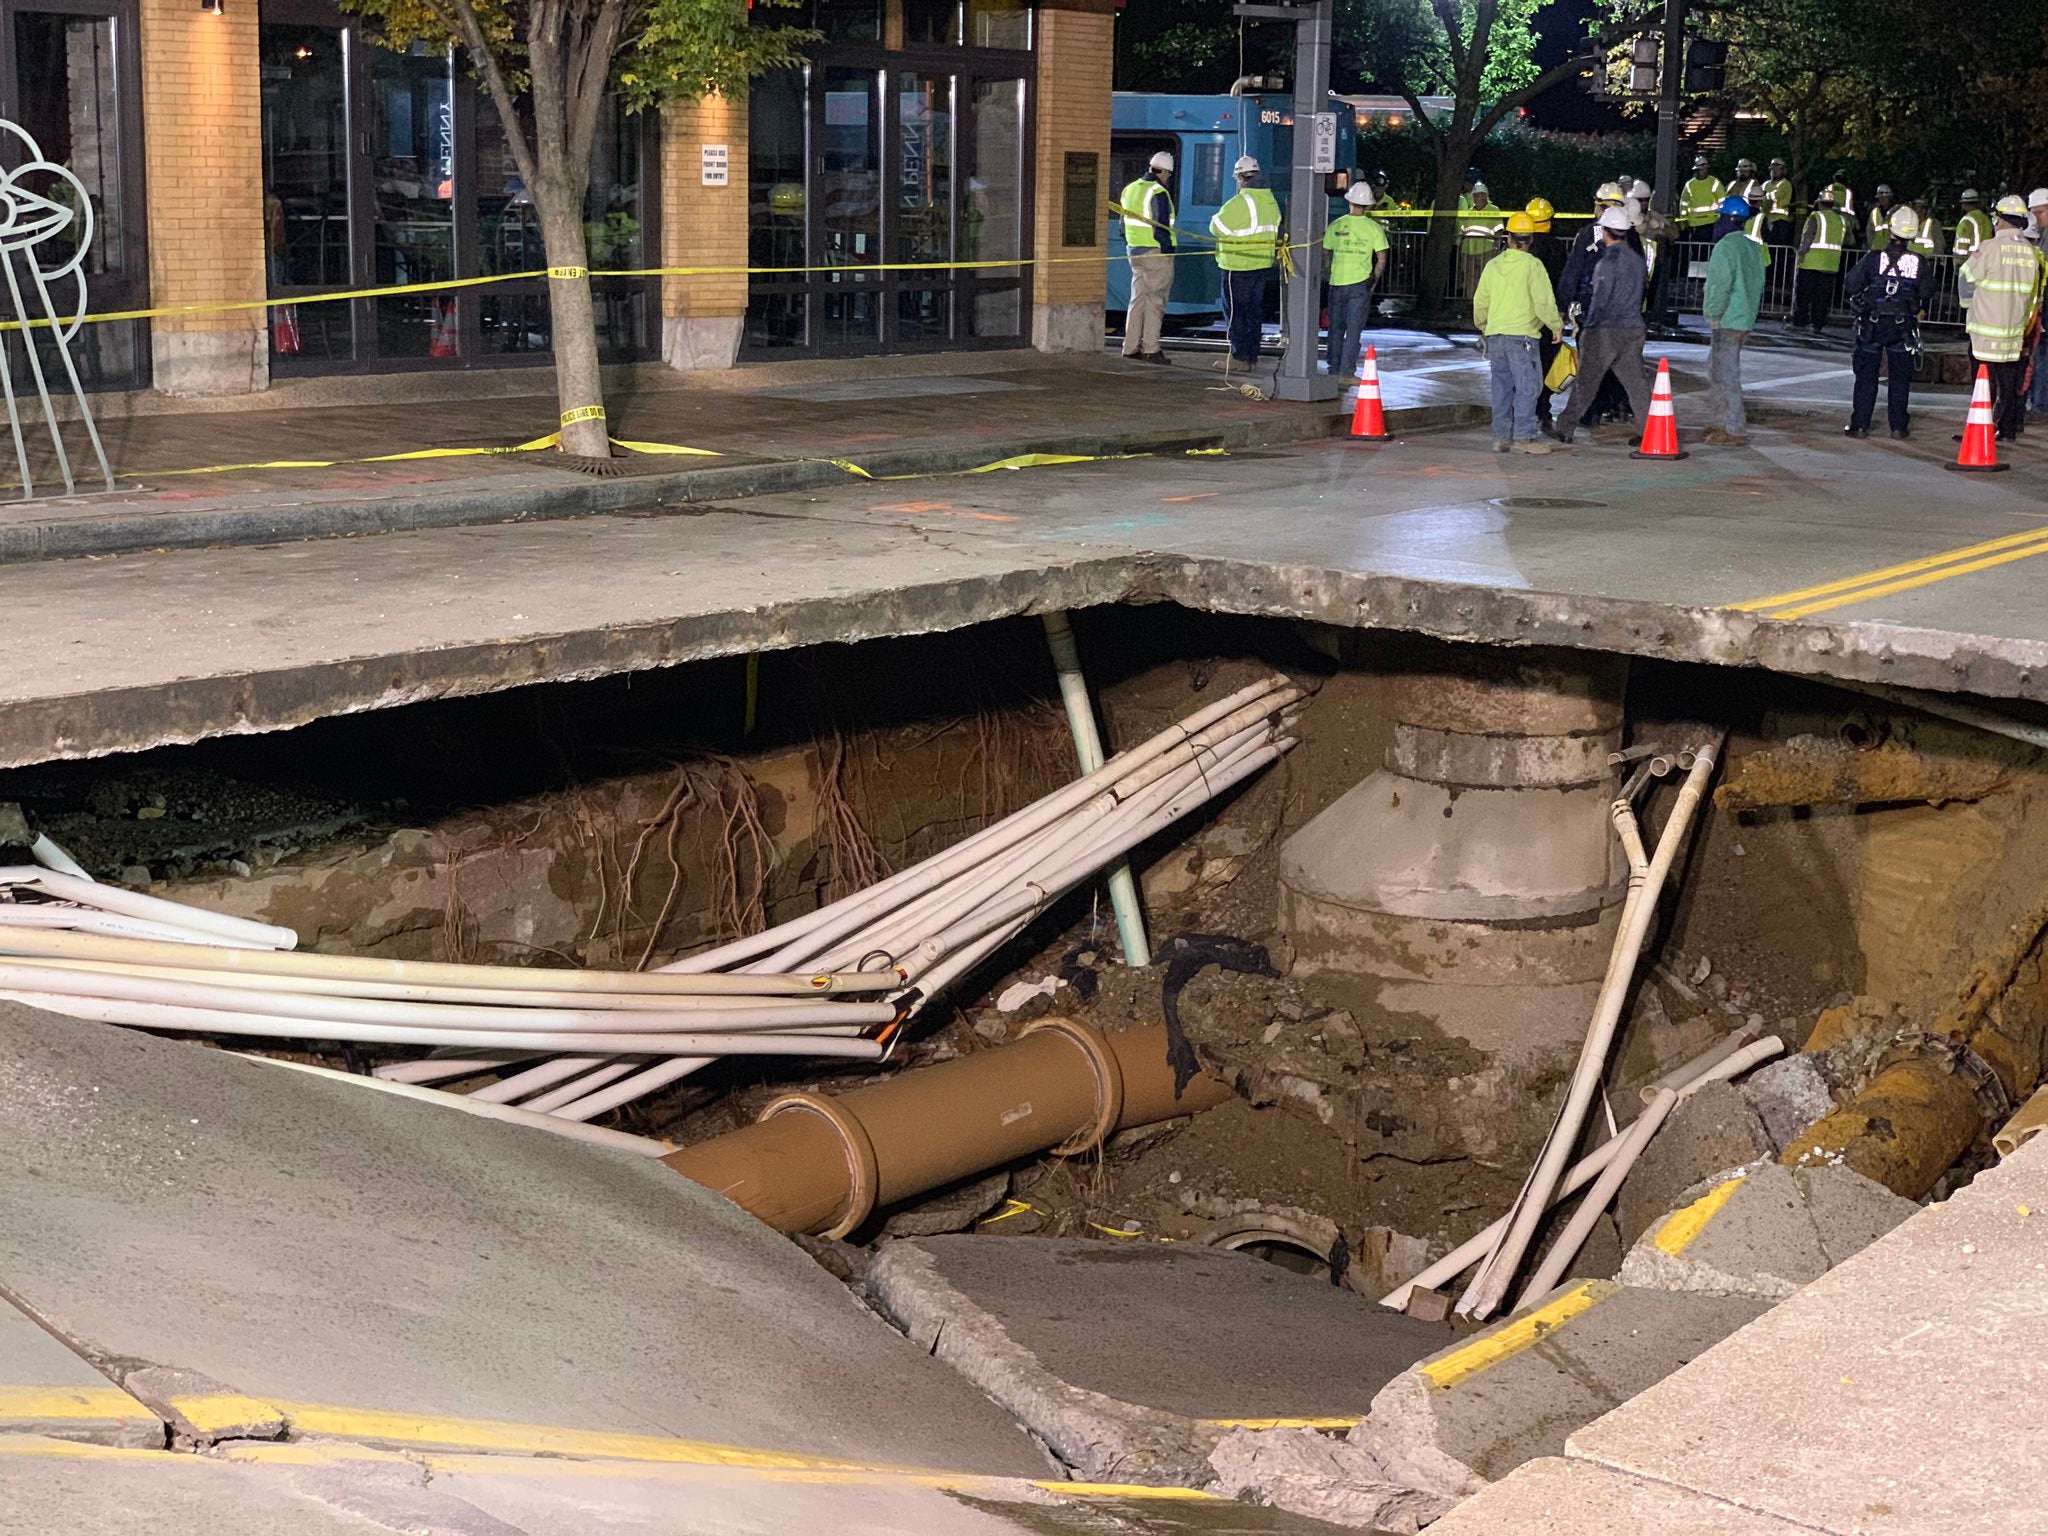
1440	245
579	386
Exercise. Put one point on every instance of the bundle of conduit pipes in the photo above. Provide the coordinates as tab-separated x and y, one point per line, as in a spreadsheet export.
840	981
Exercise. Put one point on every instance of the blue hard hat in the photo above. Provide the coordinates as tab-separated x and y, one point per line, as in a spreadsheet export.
1735	207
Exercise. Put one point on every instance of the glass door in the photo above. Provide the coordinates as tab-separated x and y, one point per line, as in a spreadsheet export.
71	82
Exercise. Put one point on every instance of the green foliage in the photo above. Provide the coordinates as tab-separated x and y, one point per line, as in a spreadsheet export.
1516	162
1410	42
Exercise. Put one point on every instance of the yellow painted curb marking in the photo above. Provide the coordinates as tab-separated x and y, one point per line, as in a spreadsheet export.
223	1410
108	1404
1898	578
1682	1226
1510	1339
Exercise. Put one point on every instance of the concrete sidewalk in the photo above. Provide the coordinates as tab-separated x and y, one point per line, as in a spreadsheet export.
312	459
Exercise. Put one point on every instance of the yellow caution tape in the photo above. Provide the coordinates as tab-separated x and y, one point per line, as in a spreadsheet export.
532	446
1010	1208
568	274
582	413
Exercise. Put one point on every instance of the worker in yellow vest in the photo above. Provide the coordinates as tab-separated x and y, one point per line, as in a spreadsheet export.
1699	201
1358	250
1929	241
1247	231
1147	206
1776	194
1879	234
1820	263
1479	231
1974	227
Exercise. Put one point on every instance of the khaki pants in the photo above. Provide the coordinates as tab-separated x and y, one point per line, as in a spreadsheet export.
1151	281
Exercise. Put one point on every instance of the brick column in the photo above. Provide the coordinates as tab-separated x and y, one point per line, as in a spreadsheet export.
702	317
1076	49
202	126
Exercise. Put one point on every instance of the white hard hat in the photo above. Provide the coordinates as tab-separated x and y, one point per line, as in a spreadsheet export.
1162	161
2038	197
1479	186
1641	191
1614	219
1358	194
1971	195
2011	207
1610	192
1246	166
1905	223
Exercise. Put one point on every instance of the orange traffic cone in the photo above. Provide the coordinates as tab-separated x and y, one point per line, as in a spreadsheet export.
441	340
1660	432
1368	419
284	330
1980	442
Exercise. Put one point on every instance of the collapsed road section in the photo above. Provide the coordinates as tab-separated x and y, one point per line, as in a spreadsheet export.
743	1066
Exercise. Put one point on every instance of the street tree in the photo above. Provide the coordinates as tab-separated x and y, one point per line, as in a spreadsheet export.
1479	53
547	66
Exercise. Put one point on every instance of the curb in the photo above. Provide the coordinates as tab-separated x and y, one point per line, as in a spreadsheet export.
476	503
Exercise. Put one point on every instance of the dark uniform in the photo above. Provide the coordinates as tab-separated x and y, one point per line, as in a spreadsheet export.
1887	289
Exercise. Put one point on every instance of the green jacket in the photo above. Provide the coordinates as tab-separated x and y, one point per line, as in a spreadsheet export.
1735	283
1353	241
1514	297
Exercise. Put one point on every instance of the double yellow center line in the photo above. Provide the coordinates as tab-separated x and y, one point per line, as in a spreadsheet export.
1924	572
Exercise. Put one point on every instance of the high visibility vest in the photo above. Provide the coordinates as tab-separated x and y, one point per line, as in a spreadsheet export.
1777	196
1140	214
1845	200
1928	241
1880	235
1478	228
1972	230
1247	229
1699	203
1823	240
2006	279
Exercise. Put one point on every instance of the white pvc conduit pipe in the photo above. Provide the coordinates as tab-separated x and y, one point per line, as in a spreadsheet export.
1713	1066
1490	1285
1605	1187
119	899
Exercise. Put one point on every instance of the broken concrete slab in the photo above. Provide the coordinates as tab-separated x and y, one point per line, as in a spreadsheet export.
1322	1477
201	1411
1555	1497
1709	1135
390	1270
1517	1390
1132	1359
47	1389
1788	1095
1897	1395
1765	1232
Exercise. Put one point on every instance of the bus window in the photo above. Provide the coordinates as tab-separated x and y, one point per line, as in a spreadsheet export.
1130	156
1206	172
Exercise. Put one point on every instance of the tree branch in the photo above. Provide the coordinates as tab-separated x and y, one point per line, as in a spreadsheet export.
463	22
1543	82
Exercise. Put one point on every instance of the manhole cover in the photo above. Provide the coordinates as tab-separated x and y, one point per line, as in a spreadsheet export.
1542	503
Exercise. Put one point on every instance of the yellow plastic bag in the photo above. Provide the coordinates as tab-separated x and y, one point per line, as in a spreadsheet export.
1563	368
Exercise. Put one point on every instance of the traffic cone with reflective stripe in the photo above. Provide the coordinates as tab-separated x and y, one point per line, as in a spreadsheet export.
1980	441
1368	419
1660	432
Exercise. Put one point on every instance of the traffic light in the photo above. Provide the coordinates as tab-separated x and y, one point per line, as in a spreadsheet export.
1706	66
1642	71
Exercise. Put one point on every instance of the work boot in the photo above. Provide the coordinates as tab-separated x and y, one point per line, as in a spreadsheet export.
1502	447
1900	434
1155	357
1855	431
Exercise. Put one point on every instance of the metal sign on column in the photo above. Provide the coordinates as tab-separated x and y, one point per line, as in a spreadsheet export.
46	229
1308	206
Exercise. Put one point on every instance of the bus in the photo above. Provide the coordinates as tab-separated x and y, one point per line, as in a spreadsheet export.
1205	135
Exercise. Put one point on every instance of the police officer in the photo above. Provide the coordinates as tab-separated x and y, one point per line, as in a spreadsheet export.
1887	290
1247	231
1147	205
1820	263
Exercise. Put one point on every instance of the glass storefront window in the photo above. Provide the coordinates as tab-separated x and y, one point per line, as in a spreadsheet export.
777	115
849	211
306	182
931	21
998	24
923	182
992	218
411	137
69	104
842	21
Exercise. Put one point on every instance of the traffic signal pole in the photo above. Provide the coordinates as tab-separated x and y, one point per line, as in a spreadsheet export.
1307	204
1671	83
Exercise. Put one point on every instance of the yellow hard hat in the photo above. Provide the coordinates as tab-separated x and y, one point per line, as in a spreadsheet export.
786	197
1540	210
1521	224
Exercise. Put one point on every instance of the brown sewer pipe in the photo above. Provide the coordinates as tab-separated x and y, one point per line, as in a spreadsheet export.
822	1164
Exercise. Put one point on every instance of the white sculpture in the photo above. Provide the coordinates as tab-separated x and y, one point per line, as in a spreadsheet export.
28	222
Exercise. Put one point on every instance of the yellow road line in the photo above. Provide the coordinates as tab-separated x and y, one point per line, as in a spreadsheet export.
1906	584
1682	1226
82	1404
1510	1339
216	1411
1347	1422
1885	573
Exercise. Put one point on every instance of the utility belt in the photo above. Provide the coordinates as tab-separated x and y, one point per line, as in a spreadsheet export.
1888	329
